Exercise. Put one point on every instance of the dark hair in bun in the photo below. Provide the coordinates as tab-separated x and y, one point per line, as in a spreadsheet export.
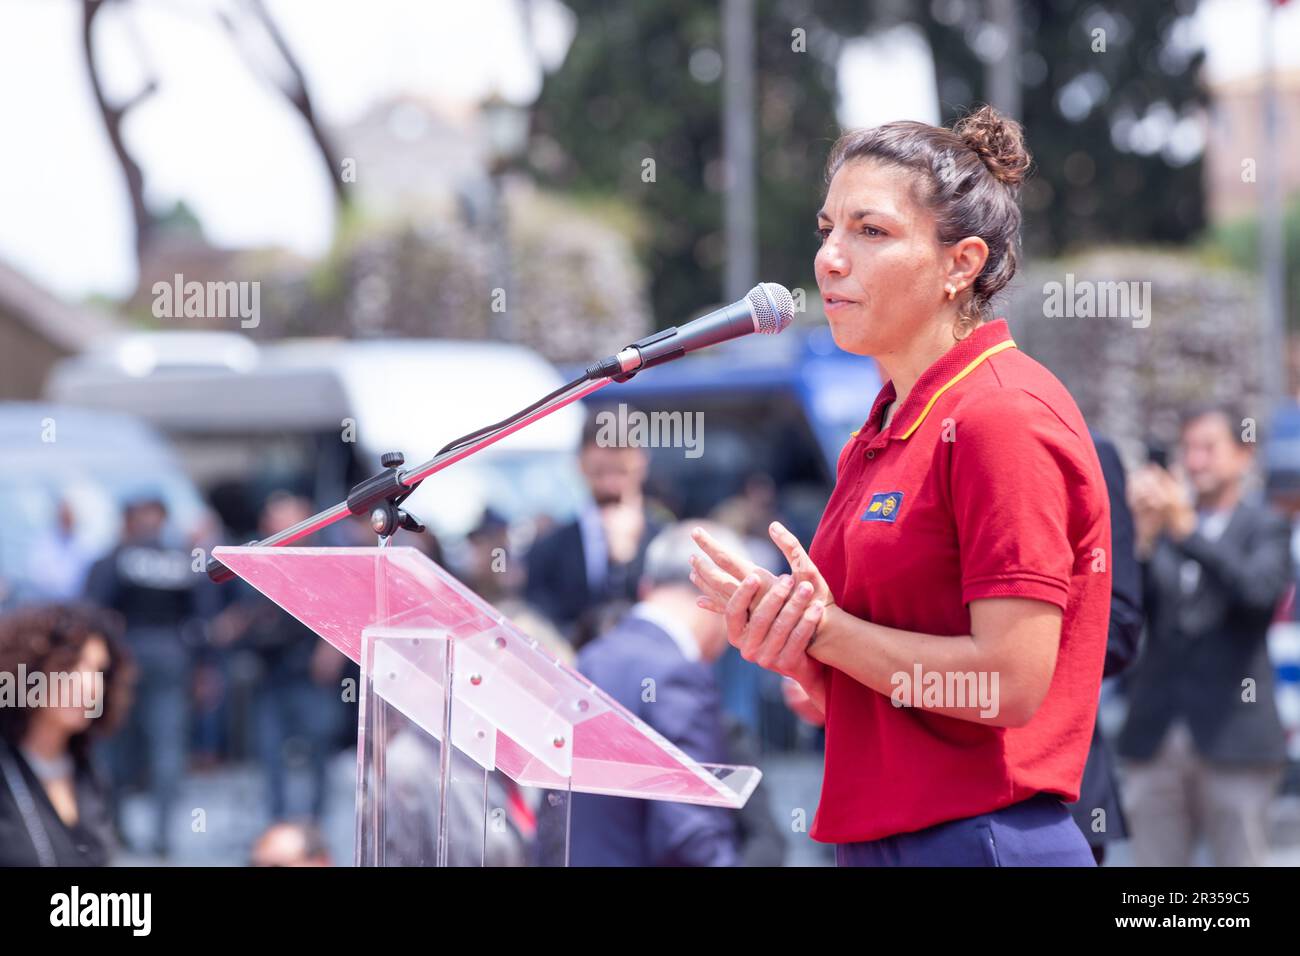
970	179
998	141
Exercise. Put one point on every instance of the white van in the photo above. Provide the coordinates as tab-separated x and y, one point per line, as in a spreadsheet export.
317	414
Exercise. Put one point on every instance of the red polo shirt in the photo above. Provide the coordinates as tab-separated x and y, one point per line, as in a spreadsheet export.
985	485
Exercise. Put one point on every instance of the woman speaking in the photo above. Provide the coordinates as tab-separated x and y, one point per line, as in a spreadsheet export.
949	620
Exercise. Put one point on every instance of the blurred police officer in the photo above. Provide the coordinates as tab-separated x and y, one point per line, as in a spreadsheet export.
149	580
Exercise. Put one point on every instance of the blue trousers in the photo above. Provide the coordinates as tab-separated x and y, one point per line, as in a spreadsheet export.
152	743
1035	832
289	707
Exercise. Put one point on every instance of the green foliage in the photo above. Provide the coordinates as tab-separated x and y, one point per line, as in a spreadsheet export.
1087	189
626	93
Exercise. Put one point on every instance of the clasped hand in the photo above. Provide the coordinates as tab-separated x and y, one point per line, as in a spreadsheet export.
772	620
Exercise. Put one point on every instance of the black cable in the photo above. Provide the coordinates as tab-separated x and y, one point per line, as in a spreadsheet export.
507	422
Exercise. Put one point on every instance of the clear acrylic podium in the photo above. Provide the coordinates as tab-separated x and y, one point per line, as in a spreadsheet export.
438	663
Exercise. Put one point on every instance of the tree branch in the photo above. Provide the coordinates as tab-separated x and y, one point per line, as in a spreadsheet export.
300	98
145	222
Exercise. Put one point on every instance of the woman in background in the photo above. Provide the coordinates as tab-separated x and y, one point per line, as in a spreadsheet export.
54	809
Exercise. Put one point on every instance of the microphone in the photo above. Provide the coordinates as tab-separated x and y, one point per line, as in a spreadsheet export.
768	309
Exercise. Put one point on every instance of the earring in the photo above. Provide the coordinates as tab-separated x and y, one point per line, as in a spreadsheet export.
951	291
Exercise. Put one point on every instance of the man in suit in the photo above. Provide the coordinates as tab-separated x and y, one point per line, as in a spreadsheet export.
597	558
657	662
1099	790
1202	737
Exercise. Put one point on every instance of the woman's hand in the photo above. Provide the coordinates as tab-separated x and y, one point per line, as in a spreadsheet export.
718	580
770	620
776	634
720	575
801	703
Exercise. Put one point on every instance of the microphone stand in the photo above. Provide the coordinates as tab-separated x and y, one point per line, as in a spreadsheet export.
381	494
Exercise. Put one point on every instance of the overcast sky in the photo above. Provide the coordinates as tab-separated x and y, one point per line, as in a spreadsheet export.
213	137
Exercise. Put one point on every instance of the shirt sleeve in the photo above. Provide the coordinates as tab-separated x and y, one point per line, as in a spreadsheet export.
1011	477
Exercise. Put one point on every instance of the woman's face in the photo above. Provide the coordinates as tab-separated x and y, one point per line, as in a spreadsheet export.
881	269
85	701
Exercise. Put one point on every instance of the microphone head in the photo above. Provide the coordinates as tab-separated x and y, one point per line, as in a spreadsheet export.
772	306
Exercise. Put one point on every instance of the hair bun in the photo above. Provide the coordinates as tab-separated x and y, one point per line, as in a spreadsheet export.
999	141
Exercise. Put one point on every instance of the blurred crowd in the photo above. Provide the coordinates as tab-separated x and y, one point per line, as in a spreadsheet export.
196	676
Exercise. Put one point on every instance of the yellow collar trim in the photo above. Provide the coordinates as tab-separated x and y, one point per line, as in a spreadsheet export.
1000	347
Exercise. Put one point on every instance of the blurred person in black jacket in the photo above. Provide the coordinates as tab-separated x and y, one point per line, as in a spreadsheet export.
1099	790
298	704
150	581
1202	741
54	806
597	557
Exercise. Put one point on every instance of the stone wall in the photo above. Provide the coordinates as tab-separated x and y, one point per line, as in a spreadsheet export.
1199	341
